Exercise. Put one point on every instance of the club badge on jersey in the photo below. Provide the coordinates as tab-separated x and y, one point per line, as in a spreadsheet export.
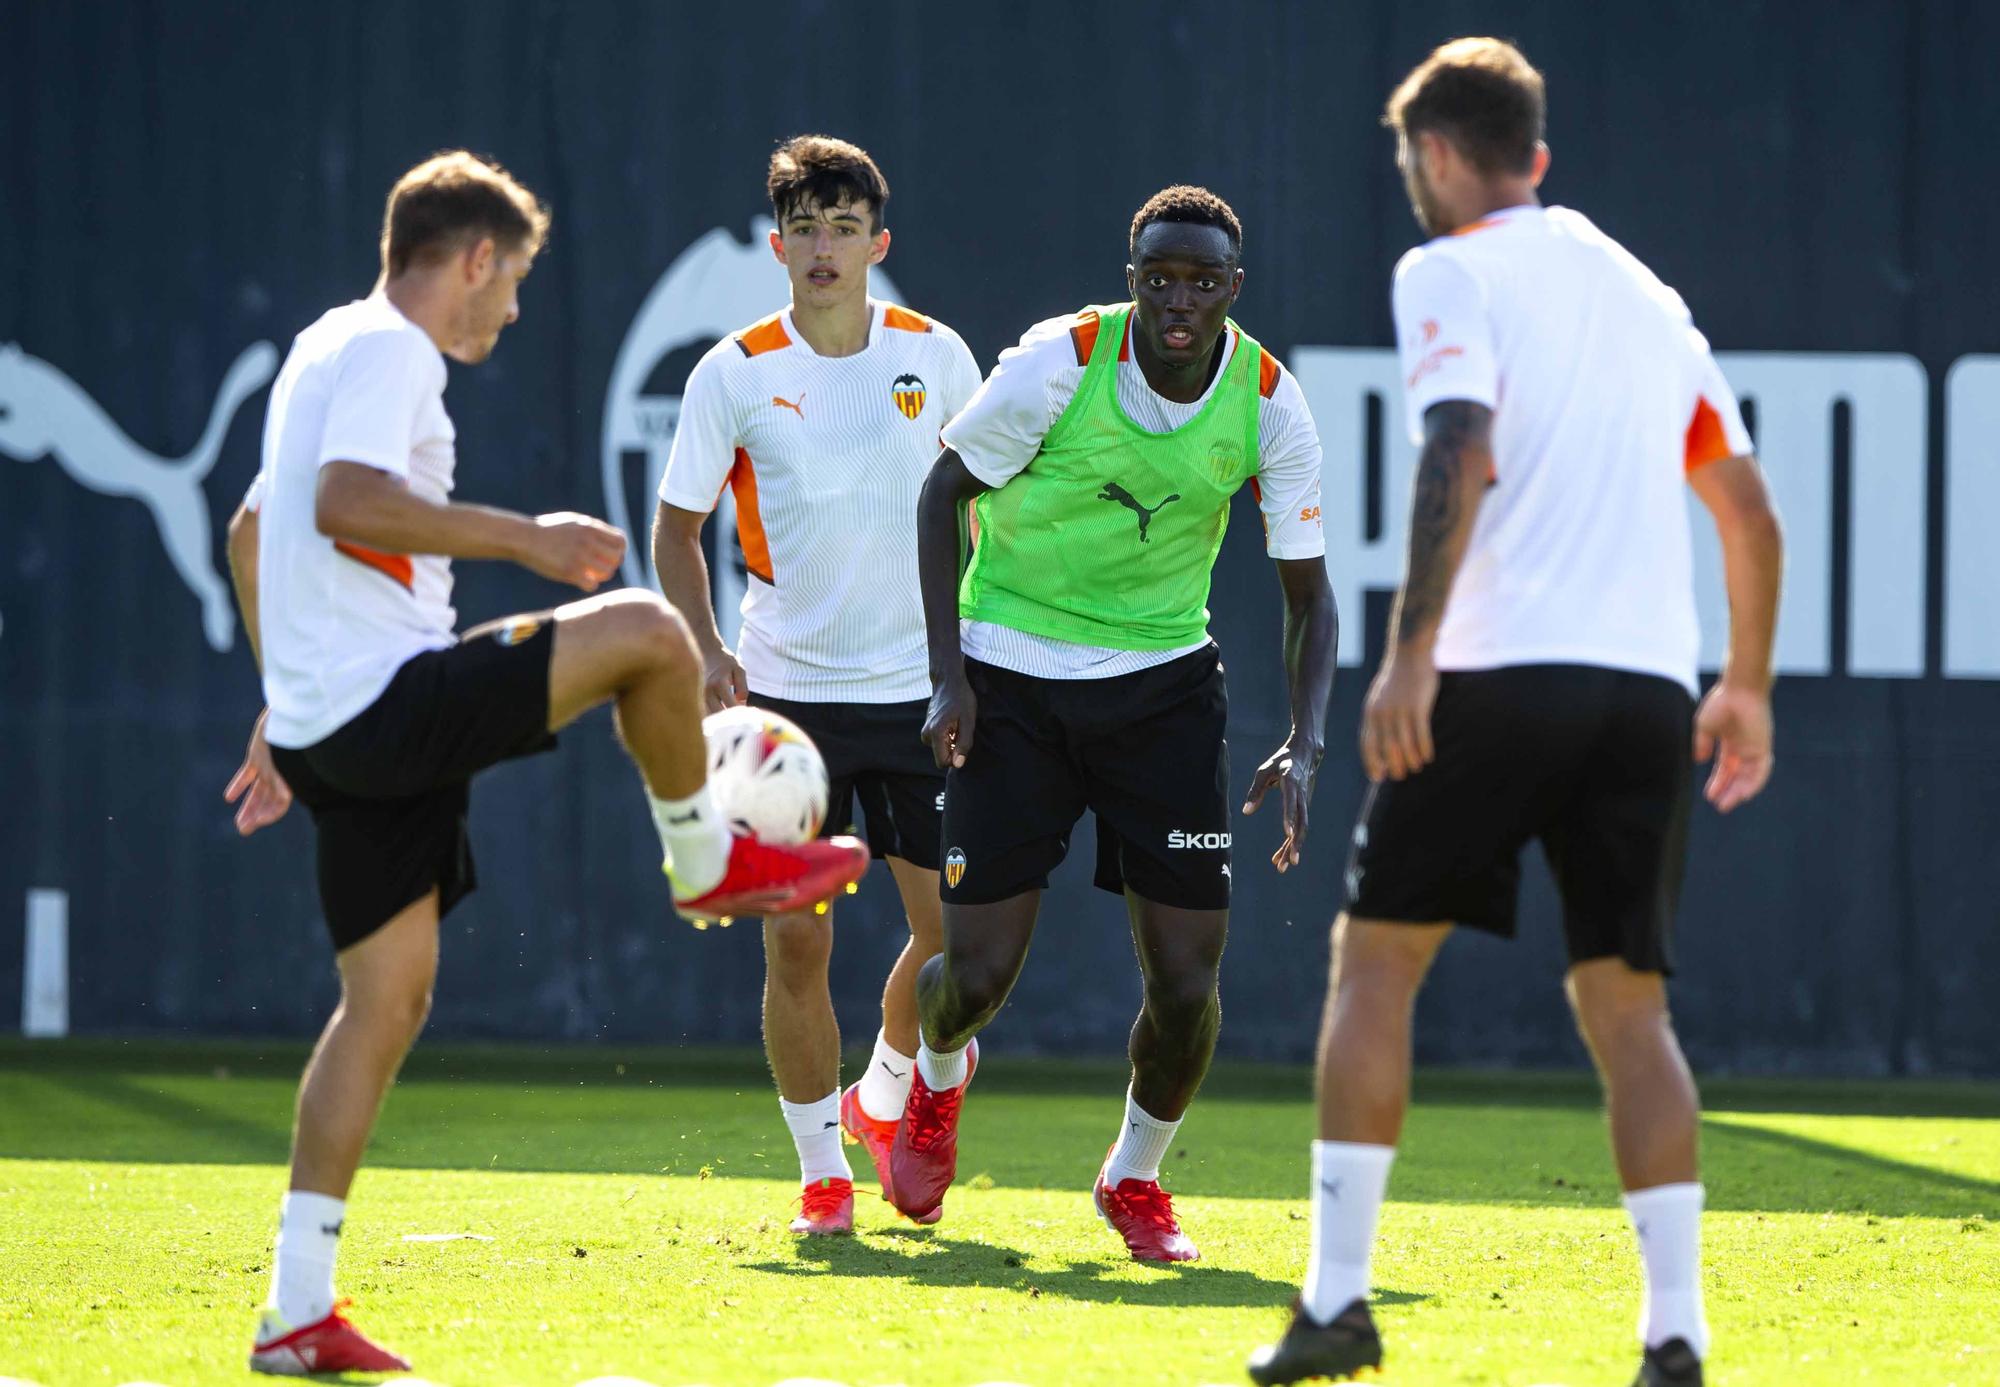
909	391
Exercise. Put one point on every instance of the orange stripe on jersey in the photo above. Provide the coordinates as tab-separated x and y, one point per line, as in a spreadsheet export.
749	521
1706	441
1481	225
395	567
765	336
903	319
1084	335
1267	376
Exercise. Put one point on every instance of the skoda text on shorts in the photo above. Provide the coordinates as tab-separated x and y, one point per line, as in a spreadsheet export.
1071	669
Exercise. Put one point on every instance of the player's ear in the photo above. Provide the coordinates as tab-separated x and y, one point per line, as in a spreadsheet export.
879	252
1541	165
1131	282
1235	285
479	261
778	246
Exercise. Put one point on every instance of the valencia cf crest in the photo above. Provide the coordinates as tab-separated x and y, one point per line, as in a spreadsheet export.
954	867
909	392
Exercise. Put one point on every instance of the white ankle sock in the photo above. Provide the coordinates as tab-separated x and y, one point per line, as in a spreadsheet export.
1142	1143
886	1085
302	1266
1349	1179
695	840
816	1132
1667	1219
941	1069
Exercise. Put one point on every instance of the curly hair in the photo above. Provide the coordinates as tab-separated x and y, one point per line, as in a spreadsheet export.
812	171
1186	203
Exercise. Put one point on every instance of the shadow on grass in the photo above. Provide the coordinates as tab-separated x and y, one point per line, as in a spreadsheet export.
1487	1139
927	1259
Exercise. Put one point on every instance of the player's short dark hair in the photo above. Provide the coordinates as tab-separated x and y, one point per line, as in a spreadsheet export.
819	171
454	199
1186	203
1483	95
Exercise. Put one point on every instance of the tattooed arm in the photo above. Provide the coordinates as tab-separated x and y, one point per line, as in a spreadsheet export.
1452	472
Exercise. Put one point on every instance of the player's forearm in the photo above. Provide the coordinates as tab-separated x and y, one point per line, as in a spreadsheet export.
1312	644
938	507
1753	565
364	506
1451	478
243	575
682	571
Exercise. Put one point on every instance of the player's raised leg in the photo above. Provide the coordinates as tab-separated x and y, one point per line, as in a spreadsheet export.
1655	1122
1173	1040
632	648
873	1105
958	992
1364	1087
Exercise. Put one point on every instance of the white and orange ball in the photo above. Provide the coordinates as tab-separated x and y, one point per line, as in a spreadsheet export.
766	776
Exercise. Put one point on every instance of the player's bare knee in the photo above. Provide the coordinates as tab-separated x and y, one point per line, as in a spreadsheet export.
981	984
1183	999
653	634
796	951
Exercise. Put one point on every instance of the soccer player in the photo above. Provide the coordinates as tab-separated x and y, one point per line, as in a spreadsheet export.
824	418
1104	451
378	716
1539	678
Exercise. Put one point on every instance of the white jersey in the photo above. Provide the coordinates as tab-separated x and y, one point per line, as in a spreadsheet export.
1000	432
1604	397
335	620
825	456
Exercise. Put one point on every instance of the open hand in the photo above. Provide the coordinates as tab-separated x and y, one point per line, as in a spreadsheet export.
1396	718
1733	725
723	682
264	794
1292	768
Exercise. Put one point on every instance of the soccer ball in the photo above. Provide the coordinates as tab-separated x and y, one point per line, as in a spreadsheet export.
766	776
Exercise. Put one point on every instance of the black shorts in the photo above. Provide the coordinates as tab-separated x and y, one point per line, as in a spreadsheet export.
875	753
1596	763
1145	751
388	790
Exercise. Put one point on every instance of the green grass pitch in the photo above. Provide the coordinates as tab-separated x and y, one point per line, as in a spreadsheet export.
636	1201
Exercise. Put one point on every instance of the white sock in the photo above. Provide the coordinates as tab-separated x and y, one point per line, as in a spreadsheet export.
1348	1182
816	1132
886	1085
1667	1219
941	1069
302	1267
695	839
1142	1143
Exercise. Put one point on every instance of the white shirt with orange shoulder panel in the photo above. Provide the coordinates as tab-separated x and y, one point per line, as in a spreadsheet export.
1000	432
825	456
336	621
1604	399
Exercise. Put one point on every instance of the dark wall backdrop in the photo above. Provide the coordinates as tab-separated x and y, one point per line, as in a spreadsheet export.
181	181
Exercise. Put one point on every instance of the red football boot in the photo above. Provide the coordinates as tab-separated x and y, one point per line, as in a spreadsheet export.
767	879
331	1345
923	1159
825	1207
875	1136
1142	1213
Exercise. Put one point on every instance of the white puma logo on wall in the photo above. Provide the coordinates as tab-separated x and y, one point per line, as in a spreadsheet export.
43	413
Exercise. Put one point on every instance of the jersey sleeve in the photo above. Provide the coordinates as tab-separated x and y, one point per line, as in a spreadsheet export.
1002	426
1443	336
705	441
379	389
961	373
1288	471
1715	427
253	499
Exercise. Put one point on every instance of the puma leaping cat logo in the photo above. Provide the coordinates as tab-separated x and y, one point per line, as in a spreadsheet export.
1114	492
43	413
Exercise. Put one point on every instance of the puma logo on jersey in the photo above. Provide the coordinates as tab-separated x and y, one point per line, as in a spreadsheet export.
45	414
793	406
1114	492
